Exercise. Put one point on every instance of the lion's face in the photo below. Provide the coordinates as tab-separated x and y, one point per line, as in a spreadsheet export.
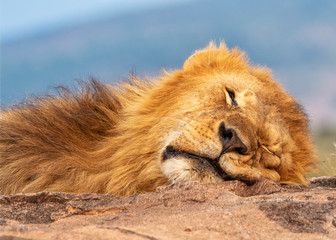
223	126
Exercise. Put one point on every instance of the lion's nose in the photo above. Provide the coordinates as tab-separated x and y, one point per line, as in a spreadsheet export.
230	140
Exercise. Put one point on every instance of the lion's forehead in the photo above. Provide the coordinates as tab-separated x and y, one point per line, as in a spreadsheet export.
206	93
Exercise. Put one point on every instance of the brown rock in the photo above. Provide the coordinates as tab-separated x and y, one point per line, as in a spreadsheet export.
229	210
323	182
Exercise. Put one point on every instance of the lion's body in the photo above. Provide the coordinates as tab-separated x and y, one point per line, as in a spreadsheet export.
108	139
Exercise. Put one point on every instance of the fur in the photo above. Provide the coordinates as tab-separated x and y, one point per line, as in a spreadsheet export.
111	139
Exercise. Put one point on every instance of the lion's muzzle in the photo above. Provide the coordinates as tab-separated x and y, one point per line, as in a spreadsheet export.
196	160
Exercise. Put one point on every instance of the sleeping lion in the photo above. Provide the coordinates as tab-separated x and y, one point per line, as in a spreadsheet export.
216	119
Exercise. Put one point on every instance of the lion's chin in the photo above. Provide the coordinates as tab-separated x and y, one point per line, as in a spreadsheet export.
181	166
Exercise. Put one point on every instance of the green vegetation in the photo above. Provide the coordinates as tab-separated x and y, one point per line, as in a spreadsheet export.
325	141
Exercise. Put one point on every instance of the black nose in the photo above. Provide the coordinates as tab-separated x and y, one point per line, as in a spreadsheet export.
230	140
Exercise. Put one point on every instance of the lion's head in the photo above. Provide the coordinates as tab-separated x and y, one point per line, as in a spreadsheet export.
221	119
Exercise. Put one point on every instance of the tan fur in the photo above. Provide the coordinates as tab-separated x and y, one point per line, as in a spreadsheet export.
108	139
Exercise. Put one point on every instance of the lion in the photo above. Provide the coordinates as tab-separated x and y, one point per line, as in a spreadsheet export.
217	119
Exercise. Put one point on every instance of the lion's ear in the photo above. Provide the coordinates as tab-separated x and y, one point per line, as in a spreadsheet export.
204	57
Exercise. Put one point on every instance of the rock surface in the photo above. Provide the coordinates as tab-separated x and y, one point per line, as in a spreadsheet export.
229	210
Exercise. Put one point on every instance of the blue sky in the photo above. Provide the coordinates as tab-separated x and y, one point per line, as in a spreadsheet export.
19	18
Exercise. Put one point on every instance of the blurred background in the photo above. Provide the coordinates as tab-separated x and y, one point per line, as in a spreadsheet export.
44	44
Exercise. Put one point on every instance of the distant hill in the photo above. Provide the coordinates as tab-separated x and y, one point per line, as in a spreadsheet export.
294	38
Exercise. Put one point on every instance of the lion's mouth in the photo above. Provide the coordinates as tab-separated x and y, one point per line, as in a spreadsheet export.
171	152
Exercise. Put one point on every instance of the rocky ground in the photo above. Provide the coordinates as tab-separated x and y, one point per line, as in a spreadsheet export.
230	210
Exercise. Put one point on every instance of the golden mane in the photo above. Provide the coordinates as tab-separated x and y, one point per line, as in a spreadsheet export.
111	139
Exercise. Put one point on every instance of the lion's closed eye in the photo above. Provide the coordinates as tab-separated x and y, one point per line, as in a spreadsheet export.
232	97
